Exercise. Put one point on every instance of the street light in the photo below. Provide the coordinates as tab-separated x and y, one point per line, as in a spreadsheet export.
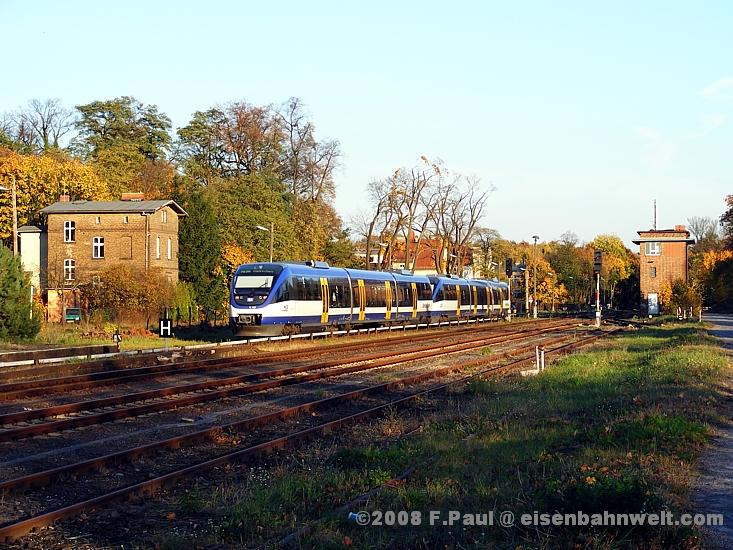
554	290
271	231
534	283
15	213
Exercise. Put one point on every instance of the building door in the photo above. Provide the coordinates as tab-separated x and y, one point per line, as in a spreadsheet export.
652	301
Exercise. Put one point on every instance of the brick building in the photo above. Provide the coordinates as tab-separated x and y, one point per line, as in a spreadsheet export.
663	258
83	238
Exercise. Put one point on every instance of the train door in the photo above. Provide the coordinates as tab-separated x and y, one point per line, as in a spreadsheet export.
475	300
324	301
458	301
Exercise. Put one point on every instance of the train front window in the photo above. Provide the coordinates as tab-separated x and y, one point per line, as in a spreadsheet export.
251	288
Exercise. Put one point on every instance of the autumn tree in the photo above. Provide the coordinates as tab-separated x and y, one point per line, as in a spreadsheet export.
571	262
726	220
705	232
125	140
231	141
39	127
616	261
39	181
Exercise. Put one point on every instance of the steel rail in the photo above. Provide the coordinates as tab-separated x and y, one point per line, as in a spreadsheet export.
17	529
23	389
365	363
44	477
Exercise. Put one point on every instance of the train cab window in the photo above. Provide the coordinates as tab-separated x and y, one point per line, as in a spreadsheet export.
253	286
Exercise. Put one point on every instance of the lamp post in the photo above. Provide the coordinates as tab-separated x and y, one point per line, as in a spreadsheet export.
554	289
15	212
534	282
271	231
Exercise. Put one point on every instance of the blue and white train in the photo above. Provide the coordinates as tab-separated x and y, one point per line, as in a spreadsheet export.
269	299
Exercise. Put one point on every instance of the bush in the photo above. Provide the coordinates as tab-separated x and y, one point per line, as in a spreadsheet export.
123	293
19	319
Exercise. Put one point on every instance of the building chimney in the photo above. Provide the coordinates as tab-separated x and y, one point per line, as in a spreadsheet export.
133	197
680	228
64	198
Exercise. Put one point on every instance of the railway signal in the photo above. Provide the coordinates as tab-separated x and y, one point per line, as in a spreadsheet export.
597	264
597	261
509	267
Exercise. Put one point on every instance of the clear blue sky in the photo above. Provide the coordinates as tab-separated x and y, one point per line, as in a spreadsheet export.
580	114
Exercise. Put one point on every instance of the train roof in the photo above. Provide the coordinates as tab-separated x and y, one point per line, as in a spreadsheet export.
322	269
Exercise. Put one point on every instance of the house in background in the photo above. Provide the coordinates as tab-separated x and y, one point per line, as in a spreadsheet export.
663	258
83	238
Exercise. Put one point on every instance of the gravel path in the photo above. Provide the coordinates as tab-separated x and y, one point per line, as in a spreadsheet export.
714	493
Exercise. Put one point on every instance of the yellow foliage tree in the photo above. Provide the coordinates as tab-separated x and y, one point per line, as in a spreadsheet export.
39	181
665	295
232	256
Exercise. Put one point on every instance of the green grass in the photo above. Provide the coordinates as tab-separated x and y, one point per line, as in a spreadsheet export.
614	429
58	335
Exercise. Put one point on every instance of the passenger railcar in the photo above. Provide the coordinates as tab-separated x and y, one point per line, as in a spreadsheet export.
268	299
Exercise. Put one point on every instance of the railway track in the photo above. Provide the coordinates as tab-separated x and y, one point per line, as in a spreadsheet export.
561	344
23	389
169	397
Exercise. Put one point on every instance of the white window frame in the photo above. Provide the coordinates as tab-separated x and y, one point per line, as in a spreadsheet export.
170	248
69	269
98	248
69	231
652	248
157	248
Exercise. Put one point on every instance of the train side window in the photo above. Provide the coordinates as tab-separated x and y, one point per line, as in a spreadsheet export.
465	295
424	292
340	296
405	293
285	292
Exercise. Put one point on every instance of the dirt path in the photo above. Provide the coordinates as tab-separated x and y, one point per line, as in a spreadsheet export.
714	493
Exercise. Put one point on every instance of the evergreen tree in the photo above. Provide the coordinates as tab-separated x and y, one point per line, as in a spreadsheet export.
19	319
200	251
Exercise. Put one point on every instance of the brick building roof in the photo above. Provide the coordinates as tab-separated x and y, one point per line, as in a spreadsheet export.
100	207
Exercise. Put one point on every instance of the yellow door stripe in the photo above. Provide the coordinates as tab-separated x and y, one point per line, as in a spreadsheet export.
388	294
362	299
475	300
458	300
324	300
